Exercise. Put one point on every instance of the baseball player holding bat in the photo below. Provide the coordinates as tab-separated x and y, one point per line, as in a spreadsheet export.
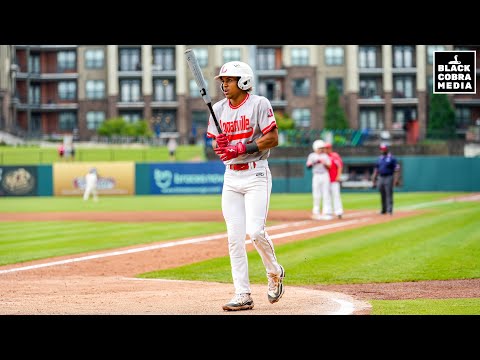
248	133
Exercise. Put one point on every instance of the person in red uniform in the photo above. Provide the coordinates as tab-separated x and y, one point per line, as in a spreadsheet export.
335	172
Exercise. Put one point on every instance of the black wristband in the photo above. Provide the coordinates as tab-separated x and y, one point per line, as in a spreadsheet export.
252	148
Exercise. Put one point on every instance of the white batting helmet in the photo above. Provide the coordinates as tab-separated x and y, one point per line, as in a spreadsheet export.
238	69
318	144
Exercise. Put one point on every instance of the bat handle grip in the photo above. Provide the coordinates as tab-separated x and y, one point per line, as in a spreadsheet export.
219	129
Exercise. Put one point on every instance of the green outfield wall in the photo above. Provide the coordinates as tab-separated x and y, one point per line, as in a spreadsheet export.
417	173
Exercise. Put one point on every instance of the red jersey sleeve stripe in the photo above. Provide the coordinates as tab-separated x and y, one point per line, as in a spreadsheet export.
273	125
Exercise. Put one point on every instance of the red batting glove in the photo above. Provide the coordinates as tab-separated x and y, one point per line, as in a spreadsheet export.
231	151
222	140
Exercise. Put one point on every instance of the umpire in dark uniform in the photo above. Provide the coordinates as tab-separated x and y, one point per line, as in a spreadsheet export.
385	176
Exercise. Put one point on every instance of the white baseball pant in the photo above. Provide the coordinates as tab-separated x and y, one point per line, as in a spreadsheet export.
321	194
245	203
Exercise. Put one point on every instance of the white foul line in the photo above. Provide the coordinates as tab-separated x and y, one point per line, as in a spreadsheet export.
177	243
346	307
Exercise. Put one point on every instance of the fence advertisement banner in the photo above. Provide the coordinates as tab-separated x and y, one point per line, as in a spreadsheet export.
114	178
18	180
187	178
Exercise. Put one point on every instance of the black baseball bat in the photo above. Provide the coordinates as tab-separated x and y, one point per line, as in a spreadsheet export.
199	79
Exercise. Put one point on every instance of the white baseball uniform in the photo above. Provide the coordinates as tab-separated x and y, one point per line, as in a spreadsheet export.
320	183
91	180
247	185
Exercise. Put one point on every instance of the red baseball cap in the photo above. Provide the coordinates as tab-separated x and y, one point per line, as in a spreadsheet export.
383	147
327	144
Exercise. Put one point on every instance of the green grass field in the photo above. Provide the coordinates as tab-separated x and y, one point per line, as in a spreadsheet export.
48	155
441	243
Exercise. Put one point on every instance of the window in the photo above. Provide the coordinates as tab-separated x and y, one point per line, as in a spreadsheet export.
95	119
430	84
36	122
266	59
371	119
231	54
463	117
402	115
166	121
66	60
163	90
34	94
130	59
95	89
431	49
338	82
67	90
403	56
34	63
94	58
334	55
200	118
131	116
302	117
301	87
300	56
129	90
202	56
67	120
367	57
368	88
194	90
163	59
403	87
271	89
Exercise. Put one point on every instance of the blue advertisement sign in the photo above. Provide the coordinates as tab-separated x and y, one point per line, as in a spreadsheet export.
187	178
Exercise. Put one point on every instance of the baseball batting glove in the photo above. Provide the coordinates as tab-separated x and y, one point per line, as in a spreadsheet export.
231	151
222	140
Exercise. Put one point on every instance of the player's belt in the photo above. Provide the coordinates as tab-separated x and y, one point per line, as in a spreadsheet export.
245	166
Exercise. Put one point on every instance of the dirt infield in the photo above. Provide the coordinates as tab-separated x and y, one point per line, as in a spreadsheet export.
103	282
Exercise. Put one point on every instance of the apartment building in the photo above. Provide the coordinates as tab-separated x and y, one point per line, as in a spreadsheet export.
58	89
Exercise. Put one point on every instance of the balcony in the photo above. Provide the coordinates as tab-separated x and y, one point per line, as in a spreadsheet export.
159	70
370	71
130	104
272	72
404	70
53	104
46	76
464	101
164	104
47	47
371	100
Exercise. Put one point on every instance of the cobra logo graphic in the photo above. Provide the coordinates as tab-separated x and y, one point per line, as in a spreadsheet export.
163	178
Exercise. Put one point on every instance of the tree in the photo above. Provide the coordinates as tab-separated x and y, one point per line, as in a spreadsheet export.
335	117
119	127
284	122
441	117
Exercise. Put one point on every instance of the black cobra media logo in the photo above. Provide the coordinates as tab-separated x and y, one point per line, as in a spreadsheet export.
454	72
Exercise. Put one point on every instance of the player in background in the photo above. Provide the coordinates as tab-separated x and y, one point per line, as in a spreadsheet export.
91	181
249	132
320	162
335	172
